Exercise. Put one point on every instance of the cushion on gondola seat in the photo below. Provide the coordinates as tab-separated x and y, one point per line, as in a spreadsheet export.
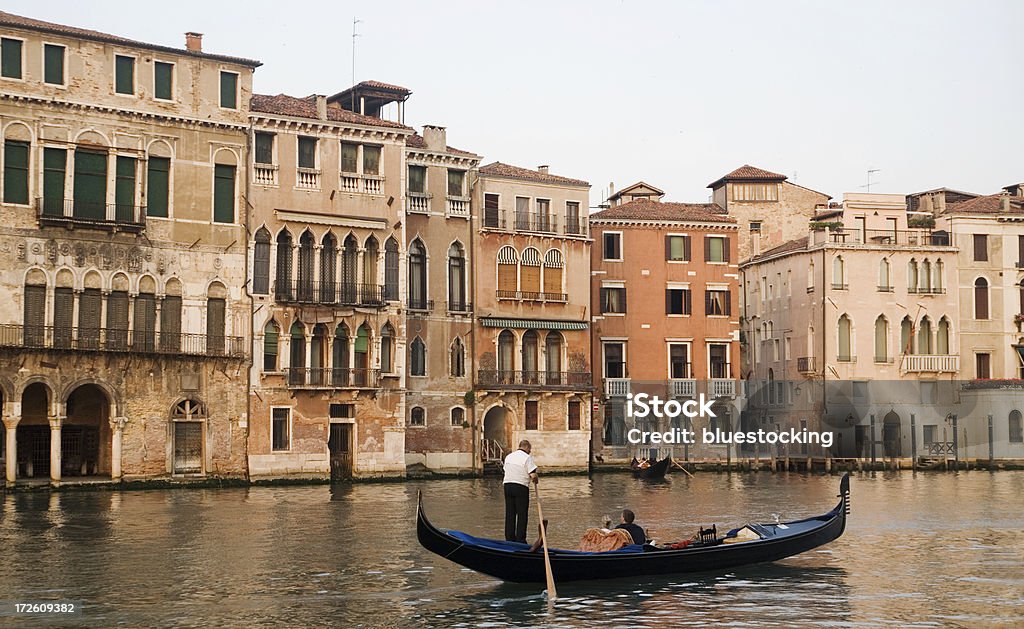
495	544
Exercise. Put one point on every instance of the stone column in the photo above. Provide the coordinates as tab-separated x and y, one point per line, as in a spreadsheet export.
12	416
117	425
55	450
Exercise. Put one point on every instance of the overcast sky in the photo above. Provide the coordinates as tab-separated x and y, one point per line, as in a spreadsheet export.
674	93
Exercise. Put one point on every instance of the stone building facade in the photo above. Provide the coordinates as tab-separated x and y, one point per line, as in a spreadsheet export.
122	255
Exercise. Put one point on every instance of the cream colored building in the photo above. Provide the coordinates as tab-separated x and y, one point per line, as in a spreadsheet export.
122	231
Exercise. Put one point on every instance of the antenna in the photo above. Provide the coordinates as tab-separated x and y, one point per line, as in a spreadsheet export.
354	35
870	183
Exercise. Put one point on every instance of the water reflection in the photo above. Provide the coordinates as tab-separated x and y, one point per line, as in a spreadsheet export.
925	548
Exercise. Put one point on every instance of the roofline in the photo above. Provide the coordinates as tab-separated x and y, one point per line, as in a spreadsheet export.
404	131
536	181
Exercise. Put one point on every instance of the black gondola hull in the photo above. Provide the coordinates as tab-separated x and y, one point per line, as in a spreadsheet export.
656	470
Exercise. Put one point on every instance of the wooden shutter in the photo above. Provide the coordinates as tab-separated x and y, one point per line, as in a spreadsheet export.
349	159
158	188
90	185
707	303
124	189
553	280
53	57
668	247
117	320
725	250
215	312
54	167
145	323
124	75
35	315
261	266
668	301
224	194
507	277
16	172
531	415
687	307
531	279
574	415
163	85
170	323
727	298
307	152
228	90
391	270
89	309
10	58
63	316
686	248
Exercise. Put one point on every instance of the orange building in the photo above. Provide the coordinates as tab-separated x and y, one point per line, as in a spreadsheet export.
664	287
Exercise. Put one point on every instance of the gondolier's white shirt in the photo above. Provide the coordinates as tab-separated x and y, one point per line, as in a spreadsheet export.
518	467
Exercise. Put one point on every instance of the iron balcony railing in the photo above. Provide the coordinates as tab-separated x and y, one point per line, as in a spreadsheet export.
507	379
497	218
459	306
77	213
123	341
330	378
882	237
354	294
420	305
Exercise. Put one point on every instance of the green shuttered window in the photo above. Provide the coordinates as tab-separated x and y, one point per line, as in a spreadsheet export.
10	58
124	190
16	172
54	174
124	75
90	185
224	194
228	90
163	82
158	180
53	64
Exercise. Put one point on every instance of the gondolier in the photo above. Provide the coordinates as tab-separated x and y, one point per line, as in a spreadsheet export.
520	471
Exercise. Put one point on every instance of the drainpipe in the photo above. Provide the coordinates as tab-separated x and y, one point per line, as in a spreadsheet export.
250	337
475	437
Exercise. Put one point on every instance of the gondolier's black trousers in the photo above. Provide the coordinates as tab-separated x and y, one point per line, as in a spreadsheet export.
517	507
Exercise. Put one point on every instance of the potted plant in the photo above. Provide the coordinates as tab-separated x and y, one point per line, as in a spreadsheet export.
823	225
921	222
1018	320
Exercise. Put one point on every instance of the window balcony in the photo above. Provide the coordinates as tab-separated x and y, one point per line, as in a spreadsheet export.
328	293
923	238
417	203
307	179
47	337
923	363
264	174
458	206
496	218
519	295
926	290
459	307
722	387
575	226
73	213
503	379
415	304
616	387
536	222
361	184
329	378
805	364
682	387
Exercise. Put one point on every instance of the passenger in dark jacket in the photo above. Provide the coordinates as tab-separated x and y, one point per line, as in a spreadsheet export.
634	530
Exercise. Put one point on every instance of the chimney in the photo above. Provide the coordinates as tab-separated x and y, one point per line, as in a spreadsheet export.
1004	202
436	138
543	169
321	107
194	42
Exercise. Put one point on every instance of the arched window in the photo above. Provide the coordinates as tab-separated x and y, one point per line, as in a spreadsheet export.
942	337
530	273
1016	430
417	358
391	269
318	355
349	262
456	278
881	340
458	358
187	418
297	354
340	357
926	276
371	254
844	349
907	336
912	276
417	416
937	280
458	416
328	269
553	265
506	356
361	374
838	273
283	277
387	349
417	275
884	276
216	317
508	259
305	287
553	343
271	341
981	298
924	337
261	263
531	364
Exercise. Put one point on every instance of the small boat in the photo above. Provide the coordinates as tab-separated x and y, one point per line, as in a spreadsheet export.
654	470
512	561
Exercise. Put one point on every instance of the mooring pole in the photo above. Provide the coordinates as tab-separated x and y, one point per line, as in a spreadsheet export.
913	441
991	446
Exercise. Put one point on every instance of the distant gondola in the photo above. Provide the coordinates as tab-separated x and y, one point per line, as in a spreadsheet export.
512	561
654	470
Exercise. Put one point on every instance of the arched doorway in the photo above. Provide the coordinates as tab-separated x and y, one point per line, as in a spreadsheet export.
891	434
85	433
495	433
34	432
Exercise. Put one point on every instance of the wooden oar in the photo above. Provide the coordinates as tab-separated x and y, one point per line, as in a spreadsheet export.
552	594
682	468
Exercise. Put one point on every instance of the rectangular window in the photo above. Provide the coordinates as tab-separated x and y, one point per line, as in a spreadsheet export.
35	315
163	80
677	301
1016	430
63	314
716	249
371	160
144	323
224	194
755	227
418	179
613	300
491	212
16	172
307	152
572	218
679	360
90	185
342	411
717	302
980	247
349	157
265	148
281	419
170	323
54	174
983	366
124	74
90	305
10	58
575	415
455	182
53	64
532	414
612	246
677	248
755	192
158	186
417	416
124	189
216	316
228	90
930	432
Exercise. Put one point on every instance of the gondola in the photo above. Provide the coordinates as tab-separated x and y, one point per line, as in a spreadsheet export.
654	470
512	561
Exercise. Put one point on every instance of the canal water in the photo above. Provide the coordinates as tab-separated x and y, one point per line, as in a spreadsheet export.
930	549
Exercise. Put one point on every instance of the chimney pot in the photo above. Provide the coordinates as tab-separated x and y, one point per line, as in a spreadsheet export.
321	107
435	137
194	42
1004	199
543	169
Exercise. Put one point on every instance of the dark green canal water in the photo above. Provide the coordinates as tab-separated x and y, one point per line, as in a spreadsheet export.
928	549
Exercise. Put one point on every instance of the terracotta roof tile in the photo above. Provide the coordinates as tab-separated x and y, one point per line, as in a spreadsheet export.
786	247
17	21
416	141
507	171
988	204
284	105
383	86
748	173
647	210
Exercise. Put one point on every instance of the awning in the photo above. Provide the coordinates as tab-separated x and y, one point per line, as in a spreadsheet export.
534	324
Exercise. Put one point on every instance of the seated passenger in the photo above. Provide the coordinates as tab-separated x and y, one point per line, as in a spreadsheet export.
634	530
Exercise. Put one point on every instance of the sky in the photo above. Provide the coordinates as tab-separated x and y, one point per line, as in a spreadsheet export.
676	94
